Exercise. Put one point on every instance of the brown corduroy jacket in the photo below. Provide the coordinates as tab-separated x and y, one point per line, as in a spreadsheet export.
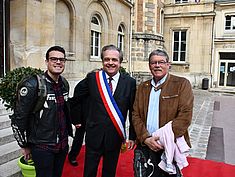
176	104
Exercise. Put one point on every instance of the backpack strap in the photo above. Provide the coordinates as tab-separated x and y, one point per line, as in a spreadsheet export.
42	92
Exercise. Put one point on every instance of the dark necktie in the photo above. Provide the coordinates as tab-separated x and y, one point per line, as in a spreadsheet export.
110	84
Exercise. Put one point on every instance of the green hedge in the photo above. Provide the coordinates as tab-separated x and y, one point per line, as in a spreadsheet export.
9	83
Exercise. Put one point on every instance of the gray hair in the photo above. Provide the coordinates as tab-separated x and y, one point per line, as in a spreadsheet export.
111	47
159	52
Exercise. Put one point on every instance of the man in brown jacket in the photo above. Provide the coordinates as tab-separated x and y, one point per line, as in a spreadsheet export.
164	98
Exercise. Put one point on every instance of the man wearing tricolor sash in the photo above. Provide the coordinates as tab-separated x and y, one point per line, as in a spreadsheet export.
111	95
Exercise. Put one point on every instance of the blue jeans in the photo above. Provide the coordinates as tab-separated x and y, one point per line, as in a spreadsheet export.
48	164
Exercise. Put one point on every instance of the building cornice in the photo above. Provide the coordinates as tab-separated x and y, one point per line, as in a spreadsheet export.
224	2
189	4
147	36
224	39
190	14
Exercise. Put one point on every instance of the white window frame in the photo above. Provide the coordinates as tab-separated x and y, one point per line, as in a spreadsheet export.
121	38
95	42
231	26
180	44
181	1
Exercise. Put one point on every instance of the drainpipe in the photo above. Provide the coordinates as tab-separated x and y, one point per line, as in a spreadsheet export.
4	38
212	48
130	39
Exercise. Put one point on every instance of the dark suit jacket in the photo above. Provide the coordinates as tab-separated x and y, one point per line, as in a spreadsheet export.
99	126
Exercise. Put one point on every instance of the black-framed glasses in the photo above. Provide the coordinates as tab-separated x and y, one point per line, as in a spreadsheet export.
160	63
55	59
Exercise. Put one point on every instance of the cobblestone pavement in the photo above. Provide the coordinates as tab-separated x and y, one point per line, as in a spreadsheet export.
199	130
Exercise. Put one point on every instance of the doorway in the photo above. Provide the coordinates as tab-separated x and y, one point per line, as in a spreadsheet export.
227	70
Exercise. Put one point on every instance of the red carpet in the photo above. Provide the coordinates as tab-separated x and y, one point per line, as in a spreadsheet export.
197	167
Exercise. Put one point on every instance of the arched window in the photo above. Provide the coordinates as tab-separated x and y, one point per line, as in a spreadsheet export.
63	34
95	37
120	42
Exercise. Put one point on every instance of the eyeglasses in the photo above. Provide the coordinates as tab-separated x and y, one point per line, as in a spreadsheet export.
55	59
160	63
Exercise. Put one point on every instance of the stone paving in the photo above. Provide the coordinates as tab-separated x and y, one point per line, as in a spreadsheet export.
199	130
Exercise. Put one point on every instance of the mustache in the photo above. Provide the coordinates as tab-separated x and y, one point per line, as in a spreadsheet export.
157	69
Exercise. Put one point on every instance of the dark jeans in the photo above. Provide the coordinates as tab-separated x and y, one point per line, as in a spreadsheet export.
155	159
48	164
77	143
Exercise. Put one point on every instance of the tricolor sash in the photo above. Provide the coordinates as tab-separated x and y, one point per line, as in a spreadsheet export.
110	104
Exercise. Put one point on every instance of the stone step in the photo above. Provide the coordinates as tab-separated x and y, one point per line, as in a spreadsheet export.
3	109
10	169
5	121
9	149
6	136
9	152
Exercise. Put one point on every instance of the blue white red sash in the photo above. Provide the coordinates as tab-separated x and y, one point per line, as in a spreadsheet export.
110	104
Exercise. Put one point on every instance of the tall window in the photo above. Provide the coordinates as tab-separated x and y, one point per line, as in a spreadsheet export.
230	22
63	30
179	46
120	42
181	1
95	37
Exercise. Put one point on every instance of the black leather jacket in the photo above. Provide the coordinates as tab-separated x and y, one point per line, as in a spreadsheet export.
40	127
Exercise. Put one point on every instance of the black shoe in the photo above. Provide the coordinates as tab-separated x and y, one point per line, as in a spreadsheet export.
73	162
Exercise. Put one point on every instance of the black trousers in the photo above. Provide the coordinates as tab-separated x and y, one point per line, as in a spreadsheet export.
155	159
93	157
47	163
77	143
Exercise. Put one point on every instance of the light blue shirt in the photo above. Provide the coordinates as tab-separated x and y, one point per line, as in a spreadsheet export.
153	107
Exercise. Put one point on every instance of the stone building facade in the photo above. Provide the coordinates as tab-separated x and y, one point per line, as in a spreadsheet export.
223	65
198	35
82	27
188	35
147	35
183	28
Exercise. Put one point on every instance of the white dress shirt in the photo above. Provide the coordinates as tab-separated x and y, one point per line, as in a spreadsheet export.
114	80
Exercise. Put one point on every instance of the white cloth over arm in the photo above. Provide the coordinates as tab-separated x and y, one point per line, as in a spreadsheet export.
173	151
